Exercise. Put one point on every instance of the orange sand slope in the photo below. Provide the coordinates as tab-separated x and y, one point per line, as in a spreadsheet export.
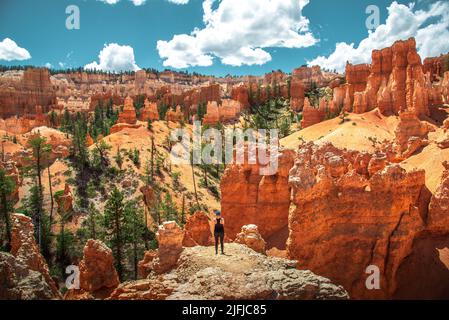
357	132
430	159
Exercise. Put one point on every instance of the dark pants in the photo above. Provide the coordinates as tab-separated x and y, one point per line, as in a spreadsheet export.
219	235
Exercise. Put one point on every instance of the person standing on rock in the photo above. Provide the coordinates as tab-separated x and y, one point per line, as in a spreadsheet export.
219	231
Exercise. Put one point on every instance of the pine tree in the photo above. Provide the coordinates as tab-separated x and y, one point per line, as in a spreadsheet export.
119	158
7	186
40	150
168	208
114	224
135	230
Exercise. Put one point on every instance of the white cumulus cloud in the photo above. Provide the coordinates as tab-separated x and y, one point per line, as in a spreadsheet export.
179	1
430	28
9	50
114	58
237	32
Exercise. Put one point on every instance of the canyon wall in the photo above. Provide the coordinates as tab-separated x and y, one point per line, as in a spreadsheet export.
21	92
248	197
395	81
354	210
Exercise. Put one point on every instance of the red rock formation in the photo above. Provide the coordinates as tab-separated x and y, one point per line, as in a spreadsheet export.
335	229
89	140
311	115
60	143
357	76
212	115
149	112
175	116
410	135
296	94
438	218
229	110
312	75
97	272
393	82
170	238
197	230
18	282
240	94
26	251
251	198
20	95
119	127
251	237
128	115
436	66
65	201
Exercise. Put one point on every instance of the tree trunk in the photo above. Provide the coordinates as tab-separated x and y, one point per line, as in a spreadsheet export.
51	195
152	159
7	220
194	185
118	245
40	195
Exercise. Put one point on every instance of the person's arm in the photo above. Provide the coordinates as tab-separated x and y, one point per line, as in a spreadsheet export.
222	221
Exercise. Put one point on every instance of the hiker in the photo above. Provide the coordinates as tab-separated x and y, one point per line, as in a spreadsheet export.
219	231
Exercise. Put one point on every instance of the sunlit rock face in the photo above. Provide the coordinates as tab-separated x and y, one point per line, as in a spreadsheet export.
394	82
250	197
21	92
356	209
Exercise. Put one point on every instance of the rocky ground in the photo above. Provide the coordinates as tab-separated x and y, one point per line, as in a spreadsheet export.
239	274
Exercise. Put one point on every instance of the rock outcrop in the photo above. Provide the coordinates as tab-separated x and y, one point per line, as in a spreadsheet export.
296	94
128	114
411	134
26	252
354	210
170	238
251	237
22	91
313	115
240	94
149	111
19	282
98	277
243	275
175	115
394	82
248	197
197	230
228	111
65	201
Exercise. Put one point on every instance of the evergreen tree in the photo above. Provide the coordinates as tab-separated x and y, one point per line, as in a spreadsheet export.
40	150
114	225
7	186
118	158
135	231
168	208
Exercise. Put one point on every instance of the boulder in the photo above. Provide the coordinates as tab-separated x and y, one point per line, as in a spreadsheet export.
197	230
97	271
251	237
26	251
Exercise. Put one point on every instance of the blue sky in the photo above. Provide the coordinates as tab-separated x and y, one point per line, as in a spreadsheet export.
39	28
